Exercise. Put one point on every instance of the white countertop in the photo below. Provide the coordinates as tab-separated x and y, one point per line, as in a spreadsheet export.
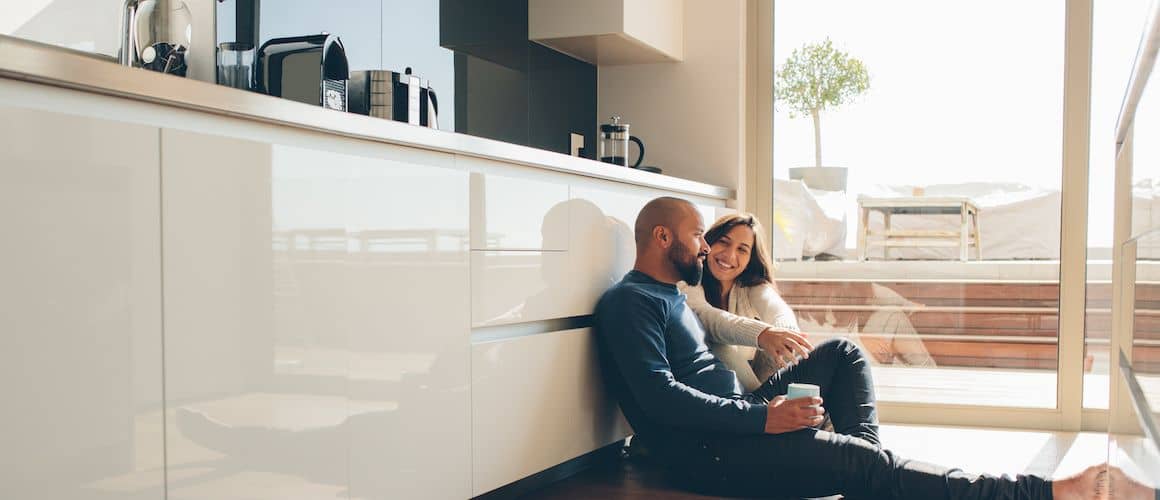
30	61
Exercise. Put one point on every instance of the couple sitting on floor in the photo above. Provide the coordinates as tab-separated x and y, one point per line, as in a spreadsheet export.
718	420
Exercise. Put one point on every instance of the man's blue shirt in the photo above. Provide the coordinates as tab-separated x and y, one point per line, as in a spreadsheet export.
659	367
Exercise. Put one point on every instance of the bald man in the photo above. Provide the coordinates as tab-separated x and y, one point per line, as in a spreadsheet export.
700	425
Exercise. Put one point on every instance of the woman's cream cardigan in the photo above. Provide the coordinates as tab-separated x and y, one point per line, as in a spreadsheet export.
732	334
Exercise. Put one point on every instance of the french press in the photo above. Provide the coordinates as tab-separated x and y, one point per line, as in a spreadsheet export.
613	146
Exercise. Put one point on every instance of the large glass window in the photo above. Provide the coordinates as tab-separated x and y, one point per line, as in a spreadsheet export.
935	244
1116	30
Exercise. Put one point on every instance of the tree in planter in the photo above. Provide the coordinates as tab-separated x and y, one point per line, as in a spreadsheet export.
817	77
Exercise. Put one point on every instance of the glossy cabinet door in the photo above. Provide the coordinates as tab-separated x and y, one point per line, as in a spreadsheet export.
80	327
518	287
517	208
519	241
597	219
603	216
538	402
410	315
317	318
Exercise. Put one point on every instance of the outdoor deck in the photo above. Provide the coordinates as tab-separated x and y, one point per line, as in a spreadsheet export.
981	324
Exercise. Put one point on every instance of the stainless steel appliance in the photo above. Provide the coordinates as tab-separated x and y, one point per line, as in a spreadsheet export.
156	35
395	96
613	143
311	69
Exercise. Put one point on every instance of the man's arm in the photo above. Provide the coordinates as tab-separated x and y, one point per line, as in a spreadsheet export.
633	327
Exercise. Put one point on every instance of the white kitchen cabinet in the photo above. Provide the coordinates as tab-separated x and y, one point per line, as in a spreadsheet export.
517	208
509	287
80	284
410	319
610	32
519	287
317	319
538	401
311	299
604	247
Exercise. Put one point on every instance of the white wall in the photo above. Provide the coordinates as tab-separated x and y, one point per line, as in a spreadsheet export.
88	25
690	115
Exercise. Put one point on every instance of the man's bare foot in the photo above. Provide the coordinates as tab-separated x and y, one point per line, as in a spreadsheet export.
1123	487
1091	484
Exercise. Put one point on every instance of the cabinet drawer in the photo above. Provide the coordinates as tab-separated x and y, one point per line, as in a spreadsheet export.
510	212
537	401
517	287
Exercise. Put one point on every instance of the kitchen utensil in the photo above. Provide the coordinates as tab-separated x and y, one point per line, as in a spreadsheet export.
613	143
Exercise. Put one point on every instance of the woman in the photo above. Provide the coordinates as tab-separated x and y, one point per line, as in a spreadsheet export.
741	310
738	262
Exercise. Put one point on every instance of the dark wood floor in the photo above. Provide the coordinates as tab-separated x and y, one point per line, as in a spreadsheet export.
623	479
620	480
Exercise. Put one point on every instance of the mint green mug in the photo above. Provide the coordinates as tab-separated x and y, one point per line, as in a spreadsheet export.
797	391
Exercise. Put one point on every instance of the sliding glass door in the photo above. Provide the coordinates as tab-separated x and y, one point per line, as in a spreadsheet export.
917	191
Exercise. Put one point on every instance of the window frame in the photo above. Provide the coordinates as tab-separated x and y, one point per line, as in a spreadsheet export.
756	196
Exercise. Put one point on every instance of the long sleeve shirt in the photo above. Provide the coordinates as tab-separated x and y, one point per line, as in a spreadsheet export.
659	367
732	334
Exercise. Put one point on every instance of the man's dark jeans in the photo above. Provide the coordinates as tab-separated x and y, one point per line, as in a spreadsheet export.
813	463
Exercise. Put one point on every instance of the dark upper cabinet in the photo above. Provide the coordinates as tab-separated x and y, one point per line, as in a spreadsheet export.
510	89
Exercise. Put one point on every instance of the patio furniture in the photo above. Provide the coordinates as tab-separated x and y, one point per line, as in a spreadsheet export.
807	222
967	235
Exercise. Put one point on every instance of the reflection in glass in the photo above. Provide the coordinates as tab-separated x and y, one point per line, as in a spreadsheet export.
1134	450
333	338
1115	37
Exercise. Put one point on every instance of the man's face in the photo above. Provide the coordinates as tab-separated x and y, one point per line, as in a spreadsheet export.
688	251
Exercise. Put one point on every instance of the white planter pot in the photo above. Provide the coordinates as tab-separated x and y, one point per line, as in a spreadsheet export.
824	178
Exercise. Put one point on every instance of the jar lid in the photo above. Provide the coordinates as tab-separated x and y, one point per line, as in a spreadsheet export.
615	126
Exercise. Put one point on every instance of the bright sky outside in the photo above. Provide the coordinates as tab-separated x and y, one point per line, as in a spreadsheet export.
961	92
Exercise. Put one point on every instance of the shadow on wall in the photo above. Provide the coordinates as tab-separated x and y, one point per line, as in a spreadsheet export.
602	253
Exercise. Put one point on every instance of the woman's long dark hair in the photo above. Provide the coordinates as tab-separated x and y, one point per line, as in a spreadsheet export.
760	268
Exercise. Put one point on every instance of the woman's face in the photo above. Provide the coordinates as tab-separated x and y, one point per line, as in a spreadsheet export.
729	255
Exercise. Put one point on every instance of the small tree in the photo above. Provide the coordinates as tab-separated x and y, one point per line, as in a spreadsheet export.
817	77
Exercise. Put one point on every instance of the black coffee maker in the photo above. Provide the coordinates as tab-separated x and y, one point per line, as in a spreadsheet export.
311	69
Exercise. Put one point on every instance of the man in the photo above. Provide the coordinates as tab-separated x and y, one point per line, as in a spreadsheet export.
689	407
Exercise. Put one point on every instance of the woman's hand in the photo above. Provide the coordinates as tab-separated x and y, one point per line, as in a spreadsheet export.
783	345
784	415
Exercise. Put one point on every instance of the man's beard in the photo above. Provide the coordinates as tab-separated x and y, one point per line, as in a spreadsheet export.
687	262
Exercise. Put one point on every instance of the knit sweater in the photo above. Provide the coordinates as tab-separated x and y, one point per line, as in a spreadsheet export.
732	335
659	368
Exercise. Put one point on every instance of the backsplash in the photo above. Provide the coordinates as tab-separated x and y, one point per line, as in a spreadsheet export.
510	89
492	82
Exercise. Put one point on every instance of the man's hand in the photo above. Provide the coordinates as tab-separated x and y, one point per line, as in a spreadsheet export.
783	345
791	415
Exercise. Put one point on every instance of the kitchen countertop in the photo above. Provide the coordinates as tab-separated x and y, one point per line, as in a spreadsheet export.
35	62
